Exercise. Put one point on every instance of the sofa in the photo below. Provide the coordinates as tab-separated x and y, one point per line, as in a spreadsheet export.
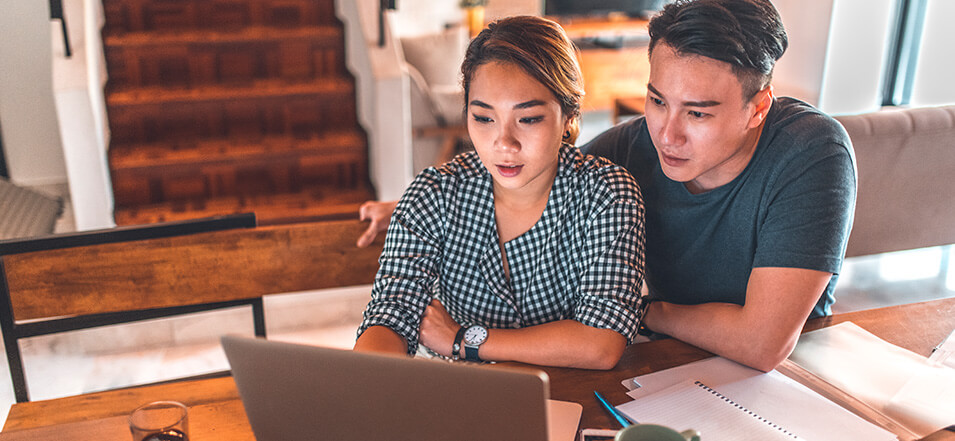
906	188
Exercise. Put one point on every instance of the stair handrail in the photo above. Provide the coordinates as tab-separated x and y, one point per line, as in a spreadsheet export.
56	13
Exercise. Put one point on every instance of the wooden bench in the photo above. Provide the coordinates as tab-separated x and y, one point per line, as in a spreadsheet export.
58	289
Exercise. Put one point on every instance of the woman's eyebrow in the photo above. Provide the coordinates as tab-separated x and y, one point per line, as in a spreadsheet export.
524	105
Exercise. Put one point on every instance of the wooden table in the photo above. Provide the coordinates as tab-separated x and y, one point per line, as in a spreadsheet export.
216	411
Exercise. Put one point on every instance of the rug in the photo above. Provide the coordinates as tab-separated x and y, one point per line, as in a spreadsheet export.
25	212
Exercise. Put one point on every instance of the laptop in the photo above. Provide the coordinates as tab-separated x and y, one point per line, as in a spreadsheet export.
299	392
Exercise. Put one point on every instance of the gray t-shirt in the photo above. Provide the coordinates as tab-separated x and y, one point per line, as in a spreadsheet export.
791	207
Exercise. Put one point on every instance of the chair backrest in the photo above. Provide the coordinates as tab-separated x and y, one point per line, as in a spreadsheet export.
906	168
120	282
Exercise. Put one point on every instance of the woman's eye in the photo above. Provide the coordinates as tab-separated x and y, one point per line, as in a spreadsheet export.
531	119
481	119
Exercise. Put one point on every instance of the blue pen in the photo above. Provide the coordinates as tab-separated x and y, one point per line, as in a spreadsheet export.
621	418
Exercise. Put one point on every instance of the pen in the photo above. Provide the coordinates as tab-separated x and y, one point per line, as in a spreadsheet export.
619	416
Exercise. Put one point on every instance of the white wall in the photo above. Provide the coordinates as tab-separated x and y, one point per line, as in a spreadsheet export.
78	84
933	72
856	55
800	71
31	137
381	90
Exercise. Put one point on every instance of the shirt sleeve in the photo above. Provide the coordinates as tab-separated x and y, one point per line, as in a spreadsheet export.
810	213
410	261
609	290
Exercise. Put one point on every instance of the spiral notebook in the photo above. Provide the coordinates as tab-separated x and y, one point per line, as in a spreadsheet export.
694	405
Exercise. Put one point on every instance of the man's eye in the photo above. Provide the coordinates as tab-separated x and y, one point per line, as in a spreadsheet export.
697	114
656	101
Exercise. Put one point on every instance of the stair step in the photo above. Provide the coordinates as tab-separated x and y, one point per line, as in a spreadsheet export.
157	173
171	16
318	203
151	115
251	34
196	58
261	89
331	146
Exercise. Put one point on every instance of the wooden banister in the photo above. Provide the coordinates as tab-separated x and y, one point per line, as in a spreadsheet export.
187	270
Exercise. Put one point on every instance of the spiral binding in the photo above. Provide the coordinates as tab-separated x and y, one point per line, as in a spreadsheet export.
743	409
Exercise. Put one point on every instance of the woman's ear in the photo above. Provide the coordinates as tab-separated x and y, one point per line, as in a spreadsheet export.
761	102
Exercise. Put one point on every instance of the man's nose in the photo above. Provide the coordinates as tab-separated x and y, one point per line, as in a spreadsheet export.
671	132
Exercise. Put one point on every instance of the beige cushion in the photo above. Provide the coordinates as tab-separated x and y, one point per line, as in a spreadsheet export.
906	167
437	56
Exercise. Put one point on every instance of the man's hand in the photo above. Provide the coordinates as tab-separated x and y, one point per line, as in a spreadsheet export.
379	215
438	329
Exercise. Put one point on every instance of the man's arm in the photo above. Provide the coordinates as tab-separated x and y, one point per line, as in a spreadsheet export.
379	215
760	334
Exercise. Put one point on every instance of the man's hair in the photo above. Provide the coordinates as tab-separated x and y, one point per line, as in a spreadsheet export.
542	49
747	34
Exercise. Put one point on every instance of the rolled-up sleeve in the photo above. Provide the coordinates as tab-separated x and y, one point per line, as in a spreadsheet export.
409	263
609	292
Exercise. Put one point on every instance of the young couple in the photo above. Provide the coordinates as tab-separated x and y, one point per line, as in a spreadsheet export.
529	250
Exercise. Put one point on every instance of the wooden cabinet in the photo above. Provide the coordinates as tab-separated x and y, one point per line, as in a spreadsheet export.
610	72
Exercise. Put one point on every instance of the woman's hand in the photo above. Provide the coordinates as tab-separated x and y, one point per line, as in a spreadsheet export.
438	329
379	215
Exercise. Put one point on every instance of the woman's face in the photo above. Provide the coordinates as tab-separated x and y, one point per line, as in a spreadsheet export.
516	125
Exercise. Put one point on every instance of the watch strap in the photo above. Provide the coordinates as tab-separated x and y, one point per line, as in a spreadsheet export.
456	346
471	353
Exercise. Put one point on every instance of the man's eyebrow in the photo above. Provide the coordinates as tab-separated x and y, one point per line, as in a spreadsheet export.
524	105
710	103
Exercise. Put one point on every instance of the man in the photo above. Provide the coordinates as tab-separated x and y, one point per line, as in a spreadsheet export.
749	198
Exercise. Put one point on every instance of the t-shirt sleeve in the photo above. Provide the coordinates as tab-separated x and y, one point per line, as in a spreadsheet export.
810	212
609	290
409	262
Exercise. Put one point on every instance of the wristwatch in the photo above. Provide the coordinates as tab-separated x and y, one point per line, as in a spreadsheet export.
456	346
474	336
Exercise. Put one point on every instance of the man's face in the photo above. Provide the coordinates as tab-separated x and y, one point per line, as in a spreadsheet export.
704	132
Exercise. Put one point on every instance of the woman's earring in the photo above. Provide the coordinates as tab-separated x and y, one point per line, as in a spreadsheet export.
567	134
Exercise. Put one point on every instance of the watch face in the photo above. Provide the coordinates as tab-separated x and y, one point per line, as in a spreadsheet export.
475	335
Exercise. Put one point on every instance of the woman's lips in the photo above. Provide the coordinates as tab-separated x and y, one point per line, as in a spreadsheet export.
509	171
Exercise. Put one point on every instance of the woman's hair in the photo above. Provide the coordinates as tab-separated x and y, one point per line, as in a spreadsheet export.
747	34
539	47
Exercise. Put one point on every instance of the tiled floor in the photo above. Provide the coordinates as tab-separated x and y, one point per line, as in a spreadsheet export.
79	362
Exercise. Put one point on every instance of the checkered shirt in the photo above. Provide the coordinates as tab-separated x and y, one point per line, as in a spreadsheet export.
583	260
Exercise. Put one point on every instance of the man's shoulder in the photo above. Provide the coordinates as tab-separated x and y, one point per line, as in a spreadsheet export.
803	123
618	139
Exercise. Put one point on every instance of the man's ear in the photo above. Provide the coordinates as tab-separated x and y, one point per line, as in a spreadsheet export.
761	102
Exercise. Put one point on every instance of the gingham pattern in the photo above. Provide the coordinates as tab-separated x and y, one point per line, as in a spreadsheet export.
583	260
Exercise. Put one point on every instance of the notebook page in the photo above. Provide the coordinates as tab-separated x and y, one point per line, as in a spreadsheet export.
773	395
693	405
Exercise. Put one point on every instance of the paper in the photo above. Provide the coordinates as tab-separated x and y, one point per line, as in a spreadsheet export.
944	354
899	383
694	405
772	395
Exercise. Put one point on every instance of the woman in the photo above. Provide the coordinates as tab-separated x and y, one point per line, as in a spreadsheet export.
524	250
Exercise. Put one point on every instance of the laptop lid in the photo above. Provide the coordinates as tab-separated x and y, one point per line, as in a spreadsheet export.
293	391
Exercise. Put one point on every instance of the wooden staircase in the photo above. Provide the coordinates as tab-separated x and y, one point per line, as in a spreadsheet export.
229	106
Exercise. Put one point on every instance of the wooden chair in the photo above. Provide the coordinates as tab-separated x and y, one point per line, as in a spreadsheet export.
127	275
